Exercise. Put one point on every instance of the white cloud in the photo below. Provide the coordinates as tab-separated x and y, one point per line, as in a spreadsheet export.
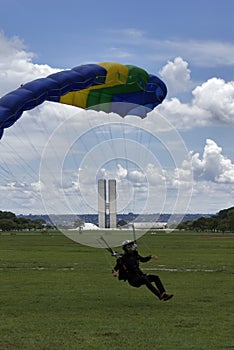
212	104
203	53
206	53
184	115
217	98
176	74
211	197
16	65
21	197
155	175
213	179
213	165
121	172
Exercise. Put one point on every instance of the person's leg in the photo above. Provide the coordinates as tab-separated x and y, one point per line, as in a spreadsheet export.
158	283
145	280
163	295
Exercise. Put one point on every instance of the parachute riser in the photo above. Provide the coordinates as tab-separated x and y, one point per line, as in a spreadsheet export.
115	253
110	250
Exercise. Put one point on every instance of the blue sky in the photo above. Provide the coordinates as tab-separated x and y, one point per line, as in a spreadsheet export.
188	44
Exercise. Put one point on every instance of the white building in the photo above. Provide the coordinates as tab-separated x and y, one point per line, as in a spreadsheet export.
150	225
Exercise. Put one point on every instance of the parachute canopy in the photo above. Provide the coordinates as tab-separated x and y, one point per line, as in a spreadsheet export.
104	86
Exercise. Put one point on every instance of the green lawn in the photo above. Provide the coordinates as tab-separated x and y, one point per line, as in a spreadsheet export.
58	295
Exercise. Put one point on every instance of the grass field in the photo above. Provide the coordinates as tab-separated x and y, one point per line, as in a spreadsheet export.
58	295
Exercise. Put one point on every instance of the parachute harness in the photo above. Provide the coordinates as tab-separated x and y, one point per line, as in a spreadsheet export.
122	268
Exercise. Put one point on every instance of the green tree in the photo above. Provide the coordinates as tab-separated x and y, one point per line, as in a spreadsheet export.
7	215
8	225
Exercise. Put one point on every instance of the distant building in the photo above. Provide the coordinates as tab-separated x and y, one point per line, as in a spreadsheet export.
112	203
150	225
102	203
107	209
89	226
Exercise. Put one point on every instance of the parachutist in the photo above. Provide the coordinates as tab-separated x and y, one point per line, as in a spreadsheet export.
127	269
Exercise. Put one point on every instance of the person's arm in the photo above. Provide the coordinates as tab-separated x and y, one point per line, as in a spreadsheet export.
154	257
147	258
115	270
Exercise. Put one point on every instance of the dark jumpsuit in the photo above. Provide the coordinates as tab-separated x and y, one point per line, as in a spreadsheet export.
134	275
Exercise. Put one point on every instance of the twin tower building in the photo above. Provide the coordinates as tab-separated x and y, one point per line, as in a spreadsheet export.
107	203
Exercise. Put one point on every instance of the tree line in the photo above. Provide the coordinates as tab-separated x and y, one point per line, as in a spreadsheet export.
10	222
223	221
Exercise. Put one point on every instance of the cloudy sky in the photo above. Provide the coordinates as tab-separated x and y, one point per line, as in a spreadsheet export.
179	159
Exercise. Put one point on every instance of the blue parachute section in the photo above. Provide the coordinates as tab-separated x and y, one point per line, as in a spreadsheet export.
86	86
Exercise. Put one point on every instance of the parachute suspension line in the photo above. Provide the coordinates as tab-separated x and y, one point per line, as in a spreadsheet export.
137	139
140	141
125	148
110	131
103	134
100	139
20	161
103	246
134	233
144	150
74	165
126	156
93	133
111	138
6	172
25	139
110	149
139	136
15	183
78	167
18	164
149	144
57	88
67	143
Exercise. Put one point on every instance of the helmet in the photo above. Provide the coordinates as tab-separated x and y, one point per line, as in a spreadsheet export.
128	242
